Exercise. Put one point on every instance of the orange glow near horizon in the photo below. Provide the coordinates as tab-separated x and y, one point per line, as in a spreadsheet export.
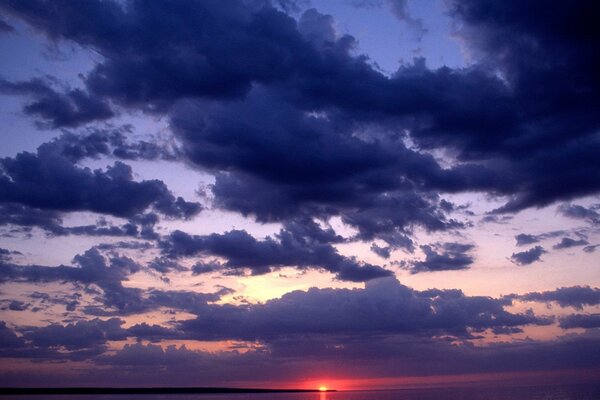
323	388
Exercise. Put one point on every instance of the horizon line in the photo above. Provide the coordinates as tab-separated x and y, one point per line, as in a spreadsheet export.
146	390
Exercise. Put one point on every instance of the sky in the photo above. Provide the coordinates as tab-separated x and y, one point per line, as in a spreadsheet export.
356	194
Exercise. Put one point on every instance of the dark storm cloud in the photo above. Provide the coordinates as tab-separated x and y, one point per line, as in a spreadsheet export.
285	163
292	248
567	243
444	257
575	296
534	47
528	256
498	109
383	307
586	321
51	182
182	55
72	108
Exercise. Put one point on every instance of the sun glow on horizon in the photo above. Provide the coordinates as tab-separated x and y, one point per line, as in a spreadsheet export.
322	388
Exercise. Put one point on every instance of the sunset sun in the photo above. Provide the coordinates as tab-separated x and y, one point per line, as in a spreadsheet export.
322	388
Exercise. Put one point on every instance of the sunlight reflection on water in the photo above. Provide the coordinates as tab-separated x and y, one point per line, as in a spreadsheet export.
570	392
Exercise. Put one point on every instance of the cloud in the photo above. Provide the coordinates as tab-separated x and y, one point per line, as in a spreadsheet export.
383	307
294	247
21	219
73	108
9	339
80	335
400	10
528	256
524	239
42	300
444	257
7	255
574	296
580	212
152	333
587	321
17	305
50	182
566	243
314	356
383	252
92	269
93	143
489	113
247	145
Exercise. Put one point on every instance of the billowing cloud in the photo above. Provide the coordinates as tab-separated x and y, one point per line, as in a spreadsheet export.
383	307
491	110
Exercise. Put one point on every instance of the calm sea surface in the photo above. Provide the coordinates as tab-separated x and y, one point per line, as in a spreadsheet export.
571	392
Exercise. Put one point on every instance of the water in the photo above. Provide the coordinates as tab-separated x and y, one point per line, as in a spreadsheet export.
567	392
